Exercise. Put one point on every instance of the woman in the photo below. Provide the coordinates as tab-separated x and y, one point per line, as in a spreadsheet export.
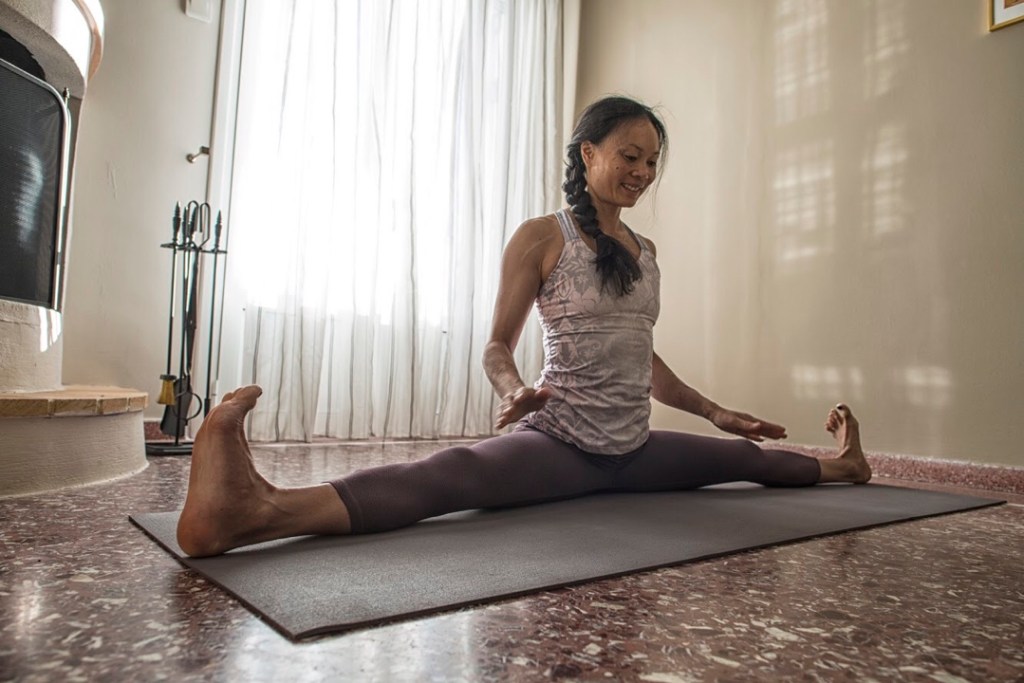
582	429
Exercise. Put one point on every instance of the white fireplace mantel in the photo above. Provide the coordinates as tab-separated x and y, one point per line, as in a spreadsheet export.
64	36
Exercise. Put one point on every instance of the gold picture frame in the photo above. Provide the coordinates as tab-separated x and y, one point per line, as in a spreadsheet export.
1002	13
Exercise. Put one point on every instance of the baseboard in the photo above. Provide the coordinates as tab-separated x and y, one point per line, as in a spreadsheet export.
971	475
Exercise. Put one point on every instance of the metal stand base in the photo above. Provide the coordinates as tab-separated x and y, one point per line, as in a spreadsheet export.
168	448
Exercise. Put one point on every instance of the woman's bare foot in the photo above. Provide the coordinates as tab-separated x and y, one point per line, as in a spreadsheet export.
227	497
851	465
229	504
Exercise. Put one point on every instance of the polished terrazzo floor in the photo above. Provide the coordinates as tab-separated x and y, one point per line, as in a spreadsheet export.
85	596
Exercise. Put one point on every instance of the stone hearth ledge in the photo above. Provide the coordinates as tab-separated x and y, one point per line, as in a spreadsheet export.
72	400
69	437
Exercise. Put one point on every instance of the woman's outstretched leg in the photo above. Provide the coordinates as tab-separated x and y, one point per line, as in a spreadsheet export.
672	460
229	504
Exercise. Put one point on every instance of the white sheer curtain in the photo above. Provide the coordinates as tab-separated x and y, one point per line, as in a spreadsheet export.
385	151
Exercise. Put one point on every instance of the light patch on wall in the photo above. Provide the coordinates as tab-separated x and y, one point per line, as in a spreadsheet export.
802	78
827	382
926	386
49	328
885	176
805	201
885	45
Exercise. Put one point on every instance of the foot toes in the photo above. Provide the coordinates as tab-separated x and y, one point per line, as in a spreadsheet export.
837	417
247	396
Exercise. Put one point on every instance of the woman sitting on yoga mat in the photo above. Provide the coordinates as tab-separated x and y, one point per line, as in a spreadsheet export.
582	429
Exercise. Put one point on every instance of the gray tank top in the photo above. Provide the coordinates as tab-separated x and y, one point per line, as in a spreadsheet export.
598	349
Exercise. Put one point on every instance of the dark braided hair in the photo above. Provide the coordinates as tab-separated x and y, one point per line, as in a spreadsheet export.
617	267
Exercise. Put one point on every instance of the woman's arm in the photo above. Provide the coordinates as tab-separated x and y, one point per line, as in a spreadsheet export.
528	259
672	391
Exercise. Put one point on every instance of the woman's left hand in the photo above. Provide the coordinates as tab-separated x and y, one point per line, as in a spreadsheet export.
520	403
747	426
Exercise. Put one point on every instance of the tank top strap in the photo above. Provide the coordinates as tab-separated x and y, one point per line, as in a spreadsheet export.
565	223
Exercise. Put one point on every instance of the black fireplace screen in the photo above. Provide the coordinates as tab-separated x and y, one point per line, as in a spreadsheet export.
33	130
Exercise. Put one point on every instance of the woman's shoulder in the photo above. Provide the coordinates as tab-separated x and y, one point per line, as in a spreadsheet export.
541	233
539	241
541	227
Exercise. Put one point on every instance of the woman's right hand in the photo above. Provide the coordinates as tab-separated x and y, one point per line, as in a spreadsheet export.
518	404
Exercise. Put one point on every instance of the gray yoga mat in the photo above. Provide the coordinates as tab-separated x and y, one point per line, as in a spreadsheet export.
315	585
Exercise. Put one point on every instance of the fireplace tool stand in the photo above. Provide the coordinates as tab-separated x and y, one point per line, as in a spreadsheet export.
193	241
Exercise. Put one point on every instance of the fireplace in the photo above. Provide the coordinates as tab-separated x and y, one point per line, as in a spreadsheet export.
33	176
51	435
50	49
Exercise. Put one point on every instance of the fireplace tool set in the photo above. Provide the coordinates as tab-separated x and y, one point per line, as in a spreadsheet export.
194	239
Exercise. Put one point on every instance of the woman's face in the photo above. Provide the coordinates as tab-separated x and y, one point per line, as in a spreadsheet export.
624	164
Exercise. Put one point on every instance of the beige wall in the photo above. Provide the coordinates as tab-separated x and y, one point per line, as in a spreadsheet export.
148	106
842	216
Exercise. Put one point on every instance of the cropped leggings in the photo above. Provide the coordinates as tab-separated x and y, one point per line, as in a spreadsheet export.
527	466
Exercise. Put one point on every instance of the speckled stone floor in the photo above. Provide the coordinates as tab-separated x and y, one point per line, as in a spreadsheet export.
85	596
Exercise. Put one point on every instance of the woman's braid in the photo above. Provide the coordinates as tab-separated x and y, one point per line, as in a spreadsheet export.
616	266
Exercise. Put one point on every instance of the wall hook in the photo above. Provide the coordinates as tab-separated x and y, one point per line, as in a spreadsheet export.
202	150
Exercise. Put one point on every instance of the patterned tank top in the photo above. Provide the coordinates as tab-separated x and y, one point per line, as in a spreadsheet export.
598	349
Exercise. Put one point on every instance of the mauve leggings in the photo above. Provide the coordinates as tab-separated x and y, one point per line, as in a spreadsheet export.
527	466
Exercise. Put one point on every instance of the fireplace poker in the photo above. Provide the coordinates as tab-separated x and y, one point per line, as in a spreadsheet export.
213	308
199	226
220	319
